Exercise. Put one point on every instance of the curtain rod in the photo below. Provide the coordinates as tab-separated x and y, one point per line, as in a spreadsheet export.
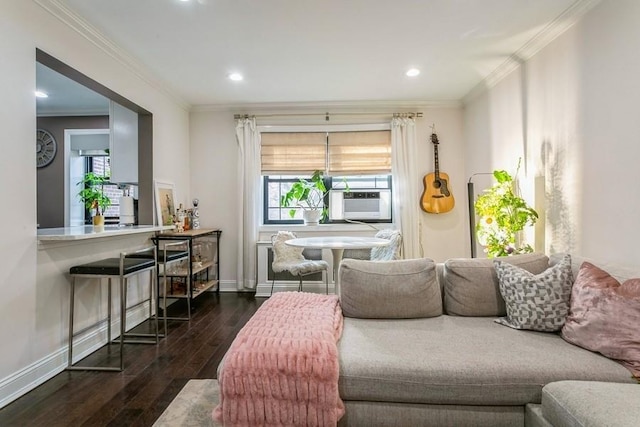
327	115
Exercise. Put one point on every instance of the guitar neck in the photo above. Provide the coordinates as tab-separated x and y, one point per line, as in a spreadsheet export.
435	159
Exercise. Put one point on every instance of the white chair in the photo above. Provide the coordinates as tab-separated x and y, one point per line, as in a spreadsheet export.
289	258
392	250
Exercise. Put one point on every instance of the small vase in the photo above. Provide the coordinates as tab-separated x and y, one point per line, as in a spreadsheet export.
98	221
311	216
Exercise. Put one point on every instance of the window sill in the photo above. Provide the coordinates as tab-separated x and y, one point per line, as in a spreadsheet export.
324	228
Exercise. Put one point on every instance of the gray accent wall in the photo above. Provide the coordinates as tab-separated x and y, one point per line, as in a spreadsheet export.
50	179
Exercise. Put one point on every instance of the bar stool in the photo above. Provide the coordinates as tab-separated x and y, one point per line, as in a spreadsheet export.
127	265
166	256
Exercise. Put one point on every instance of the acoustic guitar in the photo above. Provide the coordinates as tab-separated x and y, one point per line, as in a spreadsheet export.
436	197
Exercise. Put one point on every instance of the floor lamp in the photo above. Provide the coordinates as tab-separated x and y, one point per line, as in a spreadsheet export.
472	212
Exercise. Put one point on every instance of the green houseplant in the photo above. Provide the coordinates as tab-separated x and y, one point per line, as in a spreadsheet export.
503	214
308	195
93	197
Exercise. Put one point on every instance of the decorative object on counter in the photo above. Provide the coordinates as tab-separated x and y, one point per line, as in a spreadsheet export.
308	195
127	211
195	215
93	197
165	203
503	215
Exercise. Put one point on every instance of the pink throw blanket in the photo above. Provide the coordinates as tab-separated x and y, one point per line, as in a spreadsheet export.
282	368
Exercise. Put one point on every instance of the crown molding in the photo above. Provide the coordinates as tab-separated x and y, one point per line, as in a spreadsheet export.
555	28
93	35
335	106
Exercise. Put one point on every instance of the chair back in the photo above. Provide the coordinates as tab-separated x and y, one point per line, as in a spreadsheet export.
390	251
283	253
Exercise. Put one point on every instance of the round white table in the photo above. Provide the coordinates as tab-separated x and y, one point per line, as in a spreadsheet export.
337	244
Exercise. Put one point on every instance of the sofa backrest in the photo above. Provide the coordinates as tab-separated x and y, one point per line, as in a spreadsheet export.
398	289
471	285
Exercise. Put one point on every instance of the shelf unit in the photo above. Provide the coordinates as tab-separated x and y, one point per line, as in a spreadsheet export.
183	279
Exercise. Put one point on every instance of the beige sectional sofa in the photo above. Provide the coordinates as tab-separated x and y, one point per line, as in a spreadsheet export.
420	348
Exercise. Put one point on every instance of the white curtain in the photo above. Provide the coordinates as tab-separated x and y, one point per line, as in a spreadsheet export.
248	201
406	192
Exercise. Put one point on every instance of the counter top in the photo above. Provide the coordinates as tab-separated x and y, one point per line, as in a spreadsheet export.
88	232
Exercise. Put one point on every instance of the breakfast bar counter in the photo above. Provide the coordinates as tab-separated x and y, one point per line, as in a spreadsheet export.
89	232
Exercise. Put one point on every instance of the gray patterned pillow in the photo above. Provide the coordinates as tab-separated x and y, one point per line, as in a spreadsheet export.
539	302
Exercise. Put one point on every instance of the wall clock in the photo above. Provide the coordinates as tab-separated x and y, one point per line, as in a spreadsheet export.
46	147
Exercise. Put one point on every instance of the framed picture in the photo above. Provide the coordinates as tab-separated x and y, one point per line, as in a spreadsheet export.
165	202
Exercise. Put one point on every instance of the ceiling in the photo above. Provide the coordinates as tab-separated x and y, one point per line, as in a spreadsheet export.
309	51
65	96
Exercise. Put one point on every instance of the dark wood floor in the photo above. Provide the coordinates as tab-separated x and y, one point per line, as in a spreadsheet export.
153	375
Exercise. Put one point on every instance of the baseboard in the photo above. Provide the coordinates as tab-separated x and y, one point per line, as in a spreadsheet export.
28	378
228	286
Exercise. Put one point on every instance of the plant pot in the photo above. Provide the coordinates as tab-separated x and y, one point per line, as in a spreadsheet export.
311	216
98	221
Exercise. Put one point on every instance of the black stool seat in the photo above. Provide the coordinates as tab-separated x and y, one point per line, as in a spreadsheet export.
111	266
172	255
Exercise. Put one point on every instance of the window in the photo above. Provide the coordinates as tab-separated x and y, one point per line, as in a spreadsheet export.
100	166
361	159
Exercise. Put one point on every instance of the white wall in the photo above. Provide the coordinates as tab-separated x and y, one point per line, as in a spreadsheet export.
214	178
582	133
214	157
33	311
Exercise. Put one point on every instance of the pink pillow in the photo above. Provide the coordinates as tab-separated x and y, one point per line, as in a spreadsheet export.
604	316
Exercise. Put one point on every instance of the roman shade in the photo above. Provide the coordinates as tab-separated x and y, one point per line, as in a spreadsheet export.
335	153
293	152
359	153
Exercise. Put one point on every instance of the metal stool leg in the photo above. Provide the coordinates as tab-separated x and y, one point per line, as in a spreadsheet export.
123	317
109	311
164	302
152	278
189	284
71	306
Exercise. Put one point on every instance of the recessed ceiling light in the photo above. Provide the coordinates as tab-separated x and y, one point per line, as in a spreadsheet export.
412	72
40	94
236	77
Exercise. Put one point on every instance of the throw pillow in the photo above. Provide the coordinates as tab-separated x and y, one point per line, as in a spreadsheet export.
399	289
539	302
604	316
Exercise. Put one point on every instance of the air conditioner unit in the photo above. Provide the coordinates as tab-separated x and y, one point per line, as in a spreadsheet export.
360	205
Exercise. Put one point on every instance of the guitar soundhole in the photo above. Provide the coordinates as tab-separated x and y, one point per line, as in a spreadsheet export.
437	184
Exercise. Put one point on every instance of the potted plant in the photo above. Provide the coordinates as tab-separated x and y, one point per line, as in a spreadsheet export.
503	214
93	197
307	195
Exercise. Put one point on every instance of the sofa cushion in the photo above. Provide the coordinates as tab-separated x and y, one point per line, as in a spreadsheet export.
389	289
471	284
589	403
539	302
605	315
459	361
